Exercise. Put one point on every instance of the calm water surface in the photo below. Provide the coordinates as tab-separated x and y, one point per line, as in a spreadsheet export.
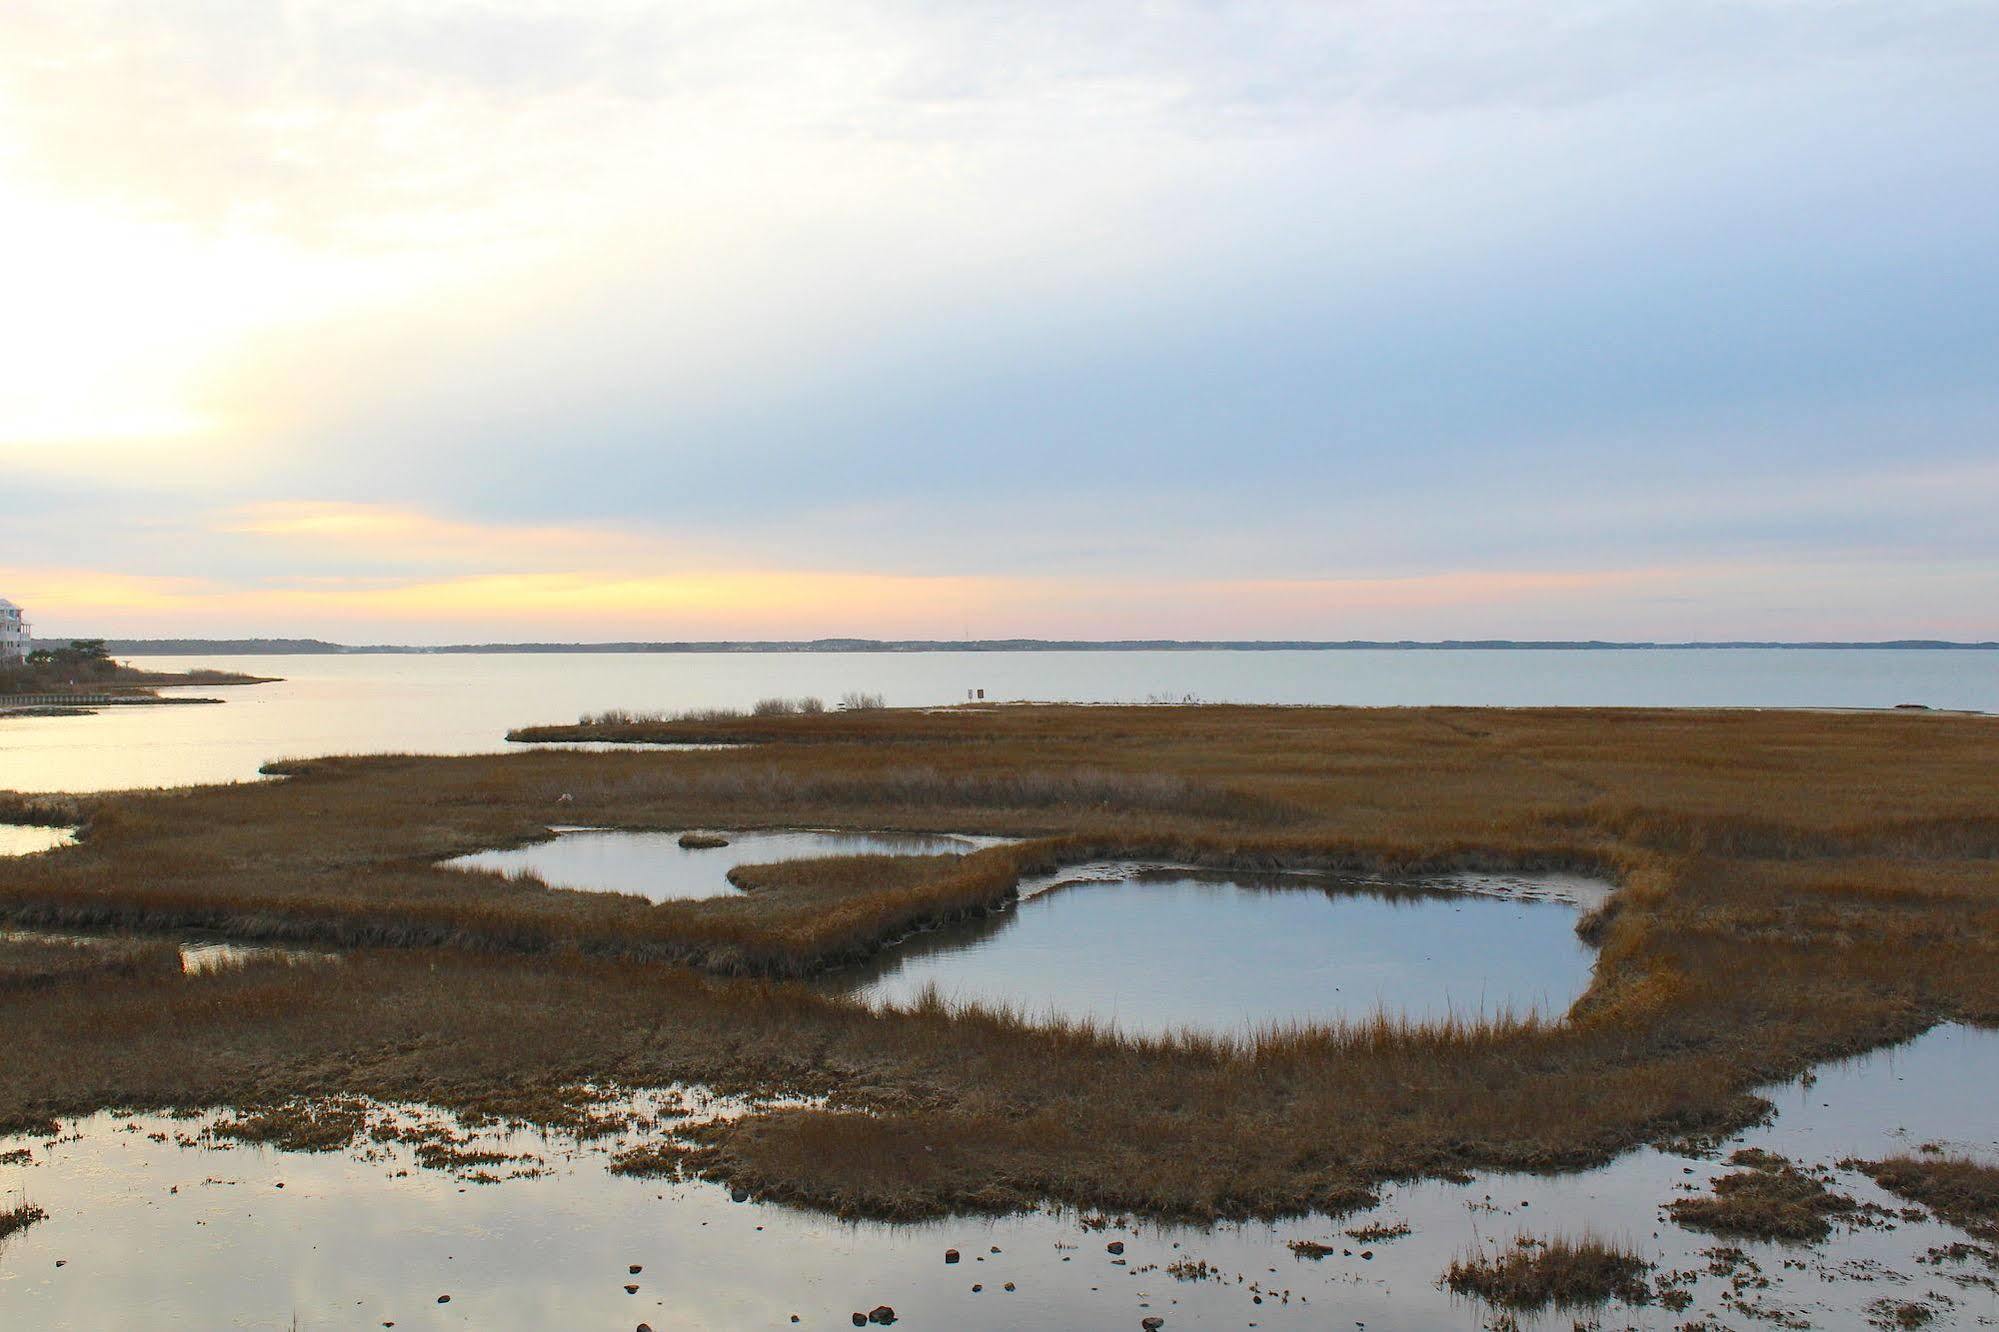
1167	950
465	704
654	864
167	1231
19	839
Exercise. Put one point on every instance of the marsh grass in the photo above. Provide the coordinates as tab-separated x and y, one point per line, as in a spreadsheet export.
44	811
1562	1273
1962	1191
27	963
1769	1198
1792	887
308	1125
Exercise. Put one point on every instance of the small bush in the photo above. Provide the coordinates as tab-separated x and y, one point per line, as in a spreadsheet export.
855	701
774	707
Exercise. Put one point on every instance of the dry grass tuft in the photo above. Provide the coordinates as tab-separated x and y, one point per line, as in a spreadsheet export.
20	1217
1564	1273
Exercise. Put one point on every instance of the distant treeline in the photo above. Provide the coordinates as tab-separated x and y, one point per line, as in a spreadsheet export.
186	647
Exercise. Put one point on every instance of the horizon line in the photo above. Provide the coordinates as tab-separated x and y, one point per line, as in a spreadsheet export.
279	646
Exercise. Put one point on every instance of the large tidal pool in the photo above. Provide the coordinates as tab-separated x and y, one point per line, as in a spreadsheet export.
1151	951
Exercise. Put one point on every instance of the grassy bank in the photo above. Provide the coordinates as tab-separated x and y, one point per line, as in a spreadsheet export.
1794	886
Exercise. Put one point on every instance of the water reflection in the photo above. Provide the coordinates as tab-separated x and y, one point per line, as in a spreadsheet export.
1159	950
20	839
655	866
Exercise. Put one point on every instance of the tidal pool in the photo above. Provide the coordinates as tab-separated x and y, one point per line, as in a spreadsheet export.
153	1222
1150	951
654	865
21	839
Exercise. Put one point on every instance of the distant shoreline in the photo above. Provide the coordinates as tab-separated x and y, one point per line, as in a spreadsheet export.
181	647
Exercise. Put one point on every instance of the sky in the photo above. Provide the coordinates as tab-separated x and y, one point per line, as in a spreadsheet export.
564	320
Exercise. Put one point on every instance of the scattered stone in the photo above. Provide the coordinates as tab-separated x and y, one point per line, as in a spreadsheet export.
1152	1324
444	1299
635	1269
1115	1246
950	1255
631	1290
881	1314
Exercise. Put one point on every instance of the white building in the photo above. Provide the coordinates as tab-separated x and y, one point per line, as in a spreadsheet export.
14	632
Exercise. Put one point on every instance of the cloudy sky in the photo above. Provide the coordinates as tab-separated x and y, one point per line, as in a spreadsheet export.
541	319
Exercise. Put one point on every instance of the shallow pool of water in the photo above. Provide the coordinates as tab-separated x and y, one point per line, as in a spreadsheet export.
21	839
654	865
152	1223
1161	950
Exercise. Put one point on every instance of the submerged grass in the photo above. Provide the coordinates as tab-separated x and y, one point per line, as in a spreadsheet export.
1791	887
